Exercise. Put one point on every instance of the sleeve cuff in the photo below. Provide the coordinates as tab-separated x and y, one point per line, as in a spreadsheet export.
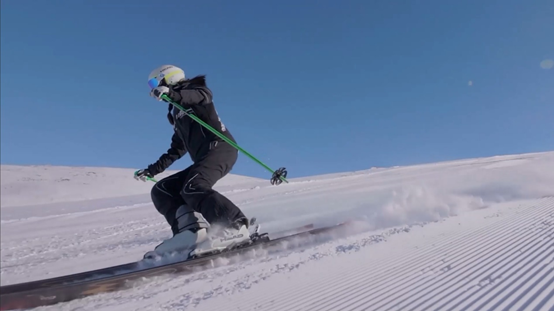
175	96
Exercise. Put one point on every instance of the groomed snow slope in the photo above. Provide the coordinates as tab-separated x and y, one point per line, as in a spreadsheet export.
475	234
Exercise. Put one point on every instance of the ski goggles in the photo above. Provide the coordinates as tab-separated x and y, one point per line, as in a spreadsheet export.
155	82
161	80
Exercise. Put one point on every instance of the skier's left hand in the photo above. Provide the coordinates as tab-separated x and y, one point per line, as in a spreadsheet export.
159	91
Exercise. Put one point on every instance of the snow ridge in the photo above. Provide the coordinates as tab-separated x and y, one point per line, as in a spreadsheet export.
505	266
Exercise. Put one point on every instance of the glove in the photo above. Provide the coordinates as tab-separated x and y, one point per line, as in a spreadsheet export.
143	174
159	91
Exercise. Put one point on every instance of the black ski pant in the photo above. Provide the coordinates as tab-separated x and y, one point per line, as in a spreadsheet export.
193	187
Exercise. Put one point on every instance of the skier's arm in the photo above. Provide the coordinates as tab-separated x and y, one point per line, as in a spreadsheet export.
188	97
174	153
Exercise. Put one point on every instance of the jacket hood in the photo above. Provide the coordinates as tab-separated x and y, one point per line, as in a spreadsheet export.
198	80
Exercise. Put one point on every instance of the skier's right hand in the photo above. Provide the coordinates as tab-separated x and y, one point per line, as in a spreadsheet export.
142	174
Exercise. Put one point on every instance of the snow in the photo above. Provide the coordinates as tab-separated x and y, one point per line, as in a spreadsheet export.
473	234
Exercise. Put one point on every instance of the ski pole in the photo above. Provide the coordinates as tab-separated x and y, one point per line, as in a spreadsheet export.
277	177
146	177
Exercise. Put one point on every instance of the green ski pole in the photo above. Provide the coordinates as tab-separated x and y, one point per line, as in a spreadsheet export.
147	178
277	177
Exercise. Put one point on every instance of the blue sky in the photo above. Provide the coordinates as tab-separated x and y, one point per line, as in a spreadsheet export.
315	86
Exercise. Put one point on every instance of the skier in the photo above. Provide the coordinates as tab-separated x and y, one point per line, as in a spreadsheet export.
201	218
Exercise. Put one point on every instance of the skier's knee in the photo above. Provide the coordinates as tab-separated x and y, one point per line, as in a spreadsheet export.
196	185
155	193
160	198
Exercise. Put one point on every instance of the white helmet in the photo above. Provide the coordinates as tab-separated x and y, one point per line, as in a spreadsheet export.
165	75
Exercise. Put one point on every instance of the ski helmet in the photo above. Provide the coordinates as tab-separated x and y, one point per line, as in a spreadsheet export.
165	75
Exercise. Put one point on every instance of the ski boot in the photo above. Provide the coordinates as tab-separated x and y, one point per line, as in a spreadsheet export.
220	239
189	230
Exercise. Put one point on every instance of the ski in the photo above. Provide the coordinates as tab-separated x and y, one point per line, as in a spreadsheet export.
75	286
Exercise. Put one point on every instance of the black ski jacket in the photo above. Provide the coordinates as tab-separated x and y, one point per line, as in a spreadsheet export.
190	136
